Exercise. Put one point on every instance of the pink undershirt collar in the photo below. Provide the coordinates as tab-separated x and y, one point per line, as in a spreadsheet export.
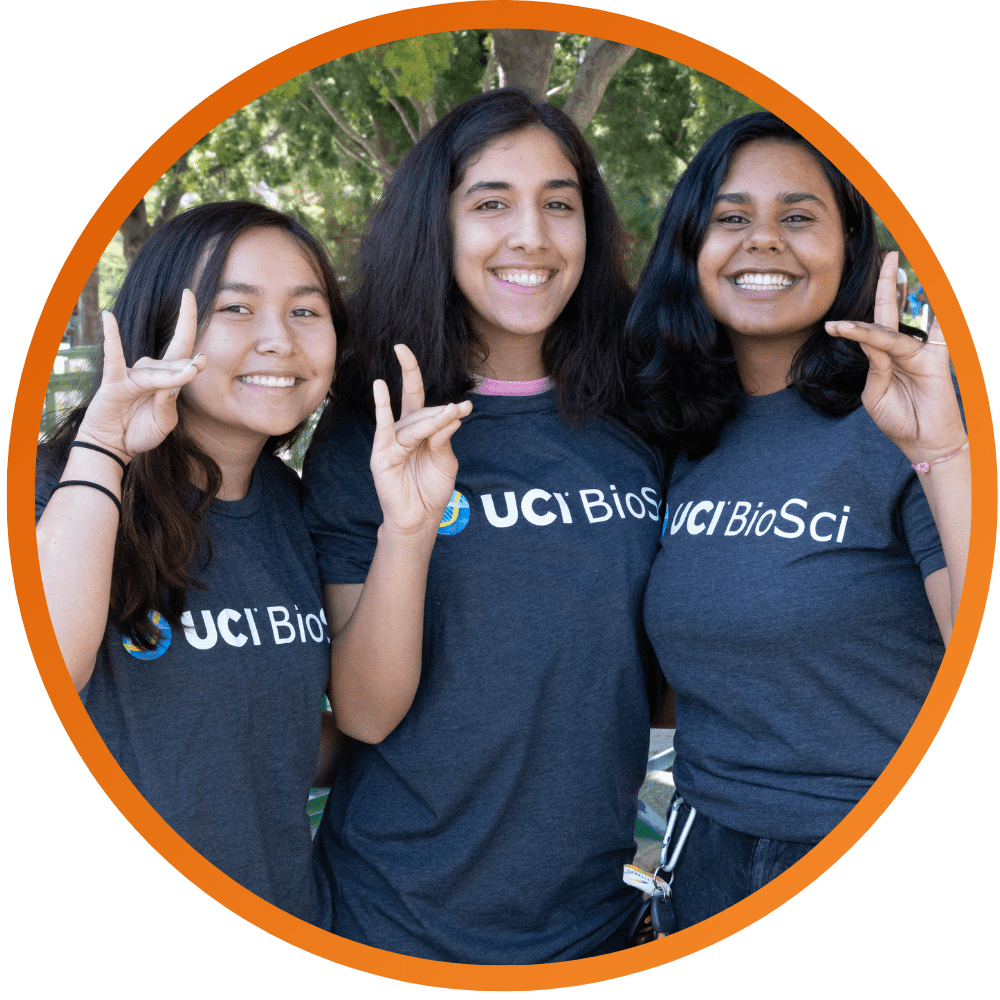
498	387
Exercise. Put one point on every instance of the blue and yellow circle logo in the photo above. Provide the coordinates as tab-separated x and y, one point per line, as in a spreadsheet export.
456	515
159	649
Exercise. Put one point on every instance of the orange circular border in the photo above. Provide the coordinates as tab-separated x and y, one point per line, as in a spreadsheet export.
99	232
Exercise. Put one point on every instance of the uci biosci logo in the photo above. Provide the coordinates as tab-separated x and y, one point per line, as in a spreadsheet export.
741	517
161	646
276	625
456	515
541	508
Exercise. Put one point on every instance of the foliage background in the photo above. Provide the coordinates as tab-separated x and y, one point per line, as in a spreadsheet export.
131	923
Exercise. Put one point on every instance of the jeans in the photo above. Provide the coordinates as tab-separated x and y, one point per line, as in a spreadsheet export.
718	867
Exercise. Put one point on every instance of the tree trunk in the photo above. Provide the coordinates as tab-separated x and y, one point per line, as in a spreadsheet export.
600	63
89	308
526	58
135	231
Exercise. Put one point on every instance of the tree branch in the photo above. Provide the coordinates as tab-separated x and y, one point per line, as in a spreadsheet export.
379	162
526	57
600	62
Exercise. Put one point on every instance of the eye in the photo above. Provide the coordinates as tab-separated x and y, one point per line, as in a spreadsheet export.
732	219
304	311
797	218
239	310
559	205
490	206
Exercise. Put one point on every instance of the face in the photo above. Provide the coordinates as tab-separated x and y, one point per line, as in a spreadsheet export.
270	345
519	235
773	255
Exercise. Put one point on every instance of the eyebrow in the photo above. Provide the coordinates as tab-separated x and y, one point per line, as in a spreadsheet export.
791	198
243	288
562	182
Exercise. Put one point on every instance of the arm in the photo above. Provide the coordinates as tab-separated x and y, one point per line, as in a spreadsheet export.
132	411
377	629
910	396
331	745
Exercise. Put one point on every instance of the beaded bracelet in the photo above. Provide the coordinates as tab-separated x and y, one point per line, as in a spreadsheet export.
926	466
93	486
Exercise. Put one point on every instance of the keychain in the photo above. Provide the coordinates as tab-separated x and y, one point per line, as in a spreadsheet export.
658	909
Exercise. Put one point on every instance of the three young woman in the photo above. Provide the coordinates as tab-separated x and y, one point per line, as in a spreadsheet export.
815	550
486	803
178	571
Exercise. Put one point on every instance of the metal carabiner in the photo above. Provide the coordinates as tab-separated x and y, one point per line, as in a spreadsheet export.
664	865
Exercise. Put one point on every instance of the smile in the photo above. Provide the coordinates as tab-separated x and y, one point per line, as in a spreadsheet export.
271	381
525	279
752	280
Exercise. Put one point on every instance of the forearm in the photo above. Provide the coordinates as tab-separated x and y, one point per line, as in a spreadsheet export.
376	656
76	546
331	745
948	488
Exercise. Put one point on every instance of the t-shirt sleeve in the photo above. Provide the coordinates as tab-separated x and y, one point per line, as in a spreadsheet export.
339	501
919	529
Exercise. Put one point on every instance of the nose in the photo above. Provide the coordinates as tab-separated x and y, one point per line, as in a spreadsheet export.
274	334
529	232
762	235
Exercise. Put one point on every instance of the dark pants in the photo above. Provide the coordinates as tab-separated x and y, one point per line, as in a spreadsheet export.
718	867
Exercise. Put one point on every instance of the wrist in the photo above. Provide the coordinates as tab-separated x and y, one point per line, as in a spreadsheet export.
96	446
420	536
924	465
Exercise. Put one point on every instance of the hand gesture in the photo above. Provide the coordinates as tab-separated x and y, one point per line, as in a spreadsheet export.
412	462
909	392
136	408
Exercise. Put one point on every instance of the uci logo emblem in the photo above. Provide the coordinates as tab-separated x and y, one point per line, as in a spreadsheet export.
456	515
159	649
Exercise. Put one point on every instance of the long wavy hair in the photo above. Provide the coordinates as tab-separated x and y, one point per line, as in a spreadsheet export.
162	523
405	290
685	373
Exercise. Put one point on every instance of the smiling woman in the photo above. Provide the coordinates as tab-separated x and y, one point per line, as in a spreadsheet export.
178	571
801	600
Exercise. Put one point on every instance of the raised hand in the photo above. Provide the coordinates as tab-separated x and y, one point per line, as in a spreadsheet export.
136	408
412	461
909	392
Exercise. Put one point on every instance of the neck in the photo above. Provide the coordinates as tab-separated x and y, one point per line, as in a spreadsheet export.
763	364
235	456
512	358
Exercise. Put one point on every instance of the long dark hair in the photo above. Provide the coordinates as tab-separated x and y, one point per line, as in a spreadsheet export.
405	290
686	374
160	528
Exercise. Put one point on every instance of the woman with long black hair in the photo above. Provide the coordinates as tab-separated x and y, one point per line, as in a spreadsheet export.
819	516
178	571
487	799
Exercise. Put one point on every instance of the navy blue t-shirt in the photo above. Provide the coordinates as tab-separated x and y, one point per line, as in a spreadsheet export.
492	824
218	727
788	611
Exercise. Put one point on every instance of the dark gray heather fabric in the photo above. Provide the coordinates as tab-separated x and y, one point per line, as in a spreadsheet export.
492	825
220	730
788	610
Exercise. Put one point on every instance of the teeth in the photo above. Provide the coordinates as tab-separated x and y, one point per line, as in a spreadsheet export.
527	279
764	280
271	381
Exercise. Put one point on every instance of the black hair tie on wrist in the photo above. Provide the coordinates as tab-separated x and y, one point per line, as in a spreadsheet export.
103	451
93	486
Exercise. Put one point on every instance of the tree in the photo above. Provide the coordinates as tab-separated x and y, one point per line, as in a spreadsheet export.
322	145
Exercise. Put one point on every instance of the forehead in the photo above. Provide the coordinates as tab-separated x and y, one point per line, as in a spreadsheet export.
772	166
523	155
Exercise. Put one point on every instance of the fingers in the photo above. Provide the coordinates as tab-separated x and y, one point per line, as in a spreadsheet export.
886	308
182	343
426	424
413	384
934	334
152	375
384	421
114	358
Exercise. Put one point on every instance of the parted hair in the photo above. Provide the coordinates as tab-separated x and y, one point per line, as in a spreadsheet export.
162	515
404	289
685	375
